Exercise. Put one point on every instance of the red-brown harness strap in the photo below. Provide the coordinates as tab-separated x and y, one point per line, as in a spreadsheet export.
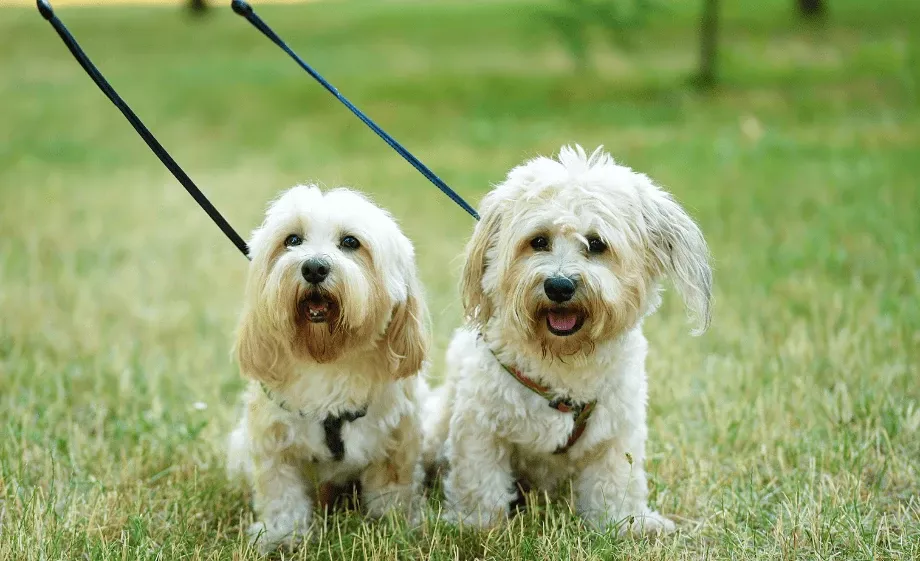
582	411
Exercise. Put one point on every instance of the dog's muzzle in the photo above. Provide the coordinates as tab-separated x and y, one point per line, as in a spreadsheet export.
562	319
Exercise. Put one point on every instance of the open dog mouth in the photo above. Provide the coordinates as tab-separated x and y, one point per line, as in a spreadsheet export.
564	321
317	308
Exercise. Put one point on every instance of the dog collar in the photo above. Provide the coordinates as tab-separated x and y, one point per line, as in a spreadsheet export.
582	411
332	424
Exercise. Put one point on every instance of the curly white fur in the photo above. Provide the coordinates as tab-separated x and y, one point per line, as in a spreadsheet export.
365	350
614	235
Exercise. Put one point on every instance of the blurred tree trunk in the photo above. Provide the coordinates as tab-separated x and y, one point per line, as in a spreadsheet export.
197	6
812	8
709	44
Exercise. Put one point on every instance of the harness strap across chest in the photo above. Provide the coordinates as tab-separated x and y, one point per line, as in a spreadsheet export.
332	424
582	411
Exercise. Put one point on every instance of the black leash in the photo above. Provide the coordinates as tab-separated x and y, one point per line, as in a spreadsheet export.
48	13
243	8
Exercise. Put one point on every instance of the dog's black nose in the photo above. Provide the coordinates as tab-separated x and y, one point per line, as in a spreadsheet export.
559	289
315	270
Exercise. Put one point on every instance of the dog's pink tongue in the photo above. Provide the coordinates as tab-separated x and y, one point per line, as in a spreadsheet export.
562	321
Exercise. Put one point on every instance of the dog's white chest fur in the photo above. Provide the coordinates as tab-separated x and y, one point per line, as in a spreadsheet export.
326	393
320	390
525	419
515	413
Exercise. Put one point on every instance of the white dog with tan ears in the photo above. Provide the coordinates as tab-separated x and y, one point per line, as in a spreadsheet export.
547	383
333	335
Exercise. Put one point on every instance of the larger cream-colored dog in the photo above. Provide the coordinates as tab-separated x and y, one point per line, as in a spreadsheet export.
333	335
547	382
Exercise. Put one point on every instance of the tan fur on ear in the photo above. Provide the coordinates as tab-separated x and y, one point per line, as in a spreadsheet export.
680	251
258	348
260	355
407	337
476	304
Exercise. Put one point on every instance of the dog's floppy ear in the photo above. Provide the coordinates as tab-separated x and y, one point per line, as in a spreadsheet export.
259	347
407	337
679	251
476	304
260	354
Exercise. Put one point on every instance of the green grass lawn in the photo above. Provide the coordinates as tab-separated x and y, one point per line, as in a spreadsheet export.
790	430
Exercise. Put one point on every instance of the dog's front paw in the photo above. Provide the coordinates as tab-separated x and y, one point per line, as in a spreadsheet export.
480	519
284	529
415	510
648	523
379	502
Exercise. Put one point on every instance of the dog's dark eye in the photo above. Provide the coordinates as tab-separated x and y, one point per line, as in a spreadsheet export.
540	243
293	240
350	242
596	245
